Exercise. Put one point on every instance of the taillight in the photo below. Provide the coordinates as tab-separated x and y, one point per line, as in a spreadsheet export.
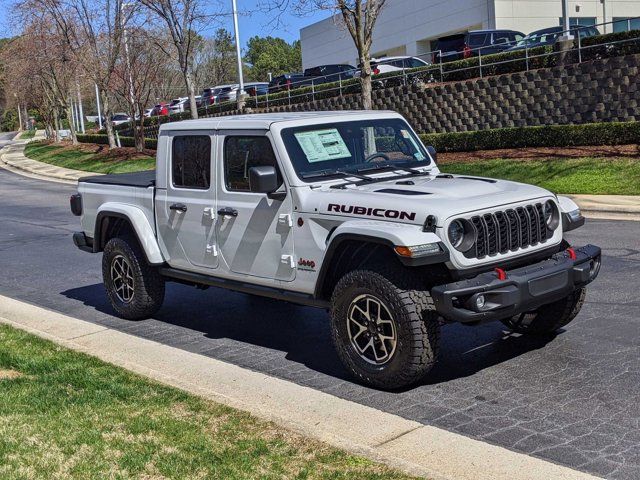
289	83
376	71
466	51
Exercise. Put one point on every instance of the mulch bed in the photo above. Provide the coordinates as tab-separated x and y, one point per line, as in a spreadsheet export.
542	153
102	151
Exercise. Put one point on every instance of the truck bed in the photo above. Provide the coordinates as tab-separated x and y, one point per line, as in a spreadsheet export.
142	179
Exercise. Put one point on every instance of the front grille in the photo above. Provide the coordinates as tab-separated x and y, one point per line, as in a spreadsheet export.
508	230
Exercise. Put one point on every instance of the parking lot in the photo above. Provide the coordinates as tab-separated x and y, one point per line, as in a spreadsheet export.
569	399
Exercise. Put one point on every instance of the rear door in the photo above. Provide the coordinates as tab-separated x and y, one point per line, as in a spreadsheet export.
254	230
186	209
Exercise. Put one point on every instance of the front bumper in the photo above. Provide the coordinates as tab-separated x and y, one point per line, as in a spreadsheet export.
524	289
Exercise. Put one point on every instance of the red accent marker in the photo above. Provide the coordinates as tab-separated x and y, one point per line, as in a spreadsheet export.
572	253
502	275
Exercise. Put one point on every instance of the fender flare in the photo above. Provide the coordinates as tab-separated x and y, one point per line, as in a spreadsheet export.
382	233
138	221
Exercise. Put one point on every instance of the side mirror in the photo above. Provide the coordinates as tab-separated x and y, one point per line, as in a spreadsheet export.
432	152
263	179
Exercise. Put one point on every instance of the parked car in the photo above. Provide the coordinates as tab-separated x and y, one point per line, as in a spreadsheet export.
329	73
231	94
179	105
474	43
120	118
395	64
211	95
286	82
549	36
160	109
255	89
392	249
148	112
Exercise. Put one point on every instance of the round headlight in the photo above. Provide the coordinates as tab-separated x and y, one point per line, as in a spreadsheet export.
549	211
456	233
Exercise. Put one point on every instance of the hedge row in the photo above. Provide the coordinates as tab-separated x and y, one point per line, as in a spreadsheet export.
124	141
614	133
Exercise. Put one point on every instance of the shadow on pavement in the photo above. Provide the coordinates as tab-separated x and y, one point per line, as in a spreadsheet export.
301	332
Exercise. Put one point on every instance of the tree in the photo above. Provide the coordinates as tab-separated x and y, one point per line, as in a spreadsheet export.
182	18
214	61
357	16
272	55
135	79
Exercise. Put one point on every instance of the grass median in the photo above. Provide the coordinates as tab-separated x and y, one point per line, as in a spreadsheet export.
598	176
64	414
91	158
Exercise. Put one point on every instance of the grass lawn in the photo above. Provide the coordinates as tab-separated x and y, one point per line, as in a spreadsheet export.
67	415
613	176
27	134
90	158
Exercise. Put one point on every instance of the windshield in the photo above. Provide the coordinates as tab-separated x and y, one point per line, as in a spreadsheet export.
353	147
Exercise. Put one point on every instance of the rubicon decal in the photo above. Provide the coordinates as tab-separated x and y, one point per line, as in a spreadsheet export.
372	212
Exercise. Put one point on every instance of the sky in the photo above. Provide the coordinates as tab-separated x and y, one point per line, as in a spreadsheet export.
251	24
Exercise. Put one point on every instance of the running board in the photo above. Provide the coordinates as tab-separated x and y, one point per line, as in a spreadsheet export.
263	291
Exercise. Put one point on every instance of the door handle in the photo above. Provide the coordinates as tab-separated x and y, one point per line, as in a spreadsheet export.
179	207
228	212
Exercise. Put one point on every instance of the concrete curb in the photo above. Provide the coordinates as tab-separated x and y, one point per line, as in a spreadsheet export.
404	444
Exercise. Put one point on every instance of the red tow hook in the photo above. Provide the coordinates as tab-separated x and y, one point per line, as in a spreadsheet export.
502	275
572	253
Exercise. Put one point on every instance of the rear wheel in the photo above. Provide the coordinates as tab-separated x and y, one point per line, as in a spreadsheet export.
135	289
548	318
384	328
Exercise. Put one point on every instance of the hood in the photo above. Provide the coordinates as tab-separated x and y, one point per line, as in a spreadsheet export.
412	199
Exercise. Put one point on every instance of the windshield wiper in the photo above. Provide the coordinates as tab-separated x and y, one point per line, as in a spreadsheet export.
334	173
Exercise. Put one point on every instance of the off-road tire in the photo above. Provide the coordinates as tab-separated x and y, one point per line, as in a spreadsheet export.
148	284
548	318
416	323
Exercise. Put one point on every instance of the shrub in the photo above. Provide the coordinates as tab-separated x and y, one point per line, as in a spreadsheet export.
613	133
150	143
626	43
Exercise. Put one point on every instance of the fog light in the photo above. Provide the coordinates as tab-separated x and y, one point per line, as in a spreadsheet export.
480	302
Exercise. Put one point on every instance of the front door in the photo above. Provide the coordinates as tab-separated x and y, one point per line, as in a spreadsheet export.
186	209
254	230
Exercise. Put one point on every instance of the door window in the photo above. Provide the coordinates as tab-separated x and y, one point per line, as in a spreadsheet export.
191	161
240	154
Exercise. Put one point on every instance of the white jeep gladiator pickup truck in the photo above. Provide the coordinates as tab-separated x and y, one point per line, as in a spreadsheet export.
346	211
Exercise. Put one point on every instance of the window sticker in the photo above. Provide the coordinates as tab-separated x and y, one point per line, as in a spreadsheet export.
322	145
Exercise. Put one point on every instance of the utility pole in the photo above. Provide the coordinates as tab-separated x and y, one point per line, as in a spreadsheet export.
19	118
238	54
98	104
127	58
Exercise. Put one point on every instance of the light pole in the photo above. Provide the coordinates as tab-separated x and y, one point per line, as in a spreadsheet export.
566	34
80	109
239	57
19	114
127	58
98	104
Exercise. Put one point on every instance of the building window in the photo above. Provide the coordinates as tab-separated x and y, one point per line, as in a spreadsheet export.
191	161
623	24
582	21
242	153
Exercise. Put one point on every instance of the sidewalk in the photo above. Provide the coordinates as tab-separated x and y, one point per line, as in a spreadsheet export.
616	207
404	444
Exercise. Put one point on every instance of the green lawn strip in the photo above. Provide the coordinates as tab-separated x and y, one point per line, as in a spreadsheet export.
617	176
26	135
79	160
64	414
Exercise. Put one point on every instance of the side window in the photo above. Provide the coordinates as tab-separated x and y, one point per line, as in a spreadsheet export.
477	40
191	161
242	153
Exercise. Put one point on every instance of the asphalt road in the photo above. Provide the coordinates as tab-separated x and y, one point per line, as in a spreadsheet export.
572	399
6	137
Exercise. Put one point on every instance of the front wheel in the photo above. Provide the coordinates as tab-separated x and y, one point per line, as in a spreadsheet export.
384	328
135	289
548	318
